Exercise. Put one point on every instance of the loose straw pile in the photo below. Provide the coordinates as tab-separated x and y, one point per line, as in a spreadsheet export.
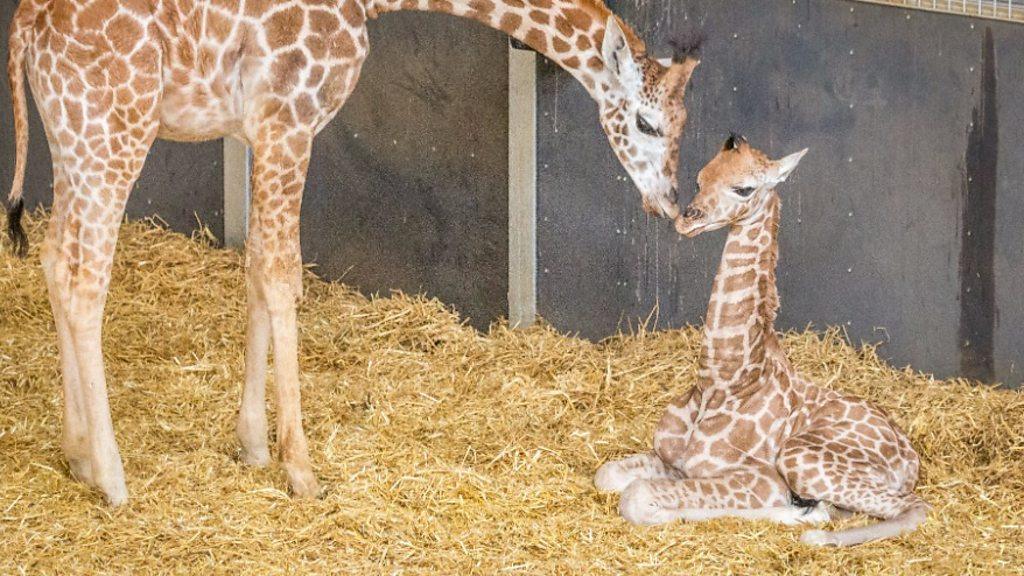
442	450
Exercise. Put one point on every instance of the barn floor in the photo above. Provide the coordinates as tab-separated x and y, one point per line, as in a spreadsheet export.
442	450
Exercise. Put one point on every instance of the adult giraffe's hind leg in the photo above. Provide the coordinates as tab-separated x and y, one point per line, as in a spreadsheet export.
274	260
78	257
100	121
75	429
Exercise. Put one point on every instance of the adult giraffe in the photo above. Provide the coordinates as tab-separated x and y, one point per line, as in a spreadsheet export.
109	77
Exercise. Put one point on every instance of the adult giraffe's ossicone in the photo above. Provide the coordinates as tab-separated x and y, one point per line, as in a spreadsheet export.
109	77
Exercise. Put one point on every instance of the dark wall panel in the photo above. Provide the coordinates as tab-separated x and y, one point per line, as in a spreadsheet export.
408	186
182	183
873	222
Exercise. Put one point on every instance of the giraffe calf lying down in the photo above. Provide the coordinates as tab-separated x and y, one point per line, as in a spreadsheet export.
754	439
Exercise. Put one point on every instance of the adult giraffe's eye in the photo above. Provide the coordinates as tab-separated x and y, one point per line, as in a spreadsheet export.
644	126
744	192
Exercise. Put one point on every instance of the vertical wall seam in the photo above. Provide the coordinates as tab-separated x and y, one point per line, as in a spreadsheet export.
522	187
978	229
237	169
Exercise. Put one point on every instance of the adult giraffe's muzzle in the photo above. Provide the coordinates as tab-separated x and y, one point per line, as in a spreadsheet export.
691	222
663	205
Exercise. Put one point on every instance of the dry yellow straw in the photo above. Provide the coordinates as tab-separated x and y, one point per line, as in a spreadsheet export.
442	450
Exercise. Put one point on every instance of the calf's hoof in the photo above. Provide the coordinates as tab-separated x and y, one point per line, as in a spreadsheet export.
638	505
818	538
611	478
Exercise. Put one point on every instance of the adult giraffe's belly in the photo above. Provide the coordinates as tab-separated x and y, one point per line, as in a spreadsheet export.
195	113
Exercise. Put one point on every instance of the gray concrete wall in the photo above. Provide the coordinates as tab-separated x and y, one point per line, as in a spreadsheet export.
913	135
182	183
875	219
408	187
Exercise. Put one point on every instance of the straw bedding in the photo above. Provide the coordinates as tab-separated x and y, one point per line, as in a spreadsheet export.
442	450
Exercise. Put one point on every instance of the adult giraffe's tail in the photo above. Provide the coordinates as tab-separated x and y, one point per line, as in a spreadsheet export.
17	44
912	516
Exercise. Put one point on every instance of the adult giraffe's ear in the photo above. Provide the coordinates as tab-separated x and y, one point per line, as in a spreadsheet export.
784	167
618	56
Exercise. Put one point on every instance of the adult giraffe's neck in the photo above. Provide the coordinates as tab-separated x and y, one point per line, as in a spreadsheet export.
740	324
568	32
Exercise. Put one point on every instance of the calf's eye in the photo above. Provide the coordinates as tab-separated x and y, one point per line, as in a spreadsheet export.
744	192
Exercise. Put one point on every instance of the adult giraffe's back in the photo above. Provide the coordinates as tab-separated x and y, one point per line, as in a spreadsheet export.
109	77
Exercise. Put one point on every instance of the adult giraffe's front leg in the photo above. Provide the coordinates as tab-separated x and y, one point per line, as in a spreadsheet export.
280	160
252	415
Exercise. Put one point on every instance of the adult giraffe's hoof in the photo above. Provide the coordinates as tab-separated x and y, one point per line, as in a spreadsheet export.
302	482
115	492
257	457
108	478
81	470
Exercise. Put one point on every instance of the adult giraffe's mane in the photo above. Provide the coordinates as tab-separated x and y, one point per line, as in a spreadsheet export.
481	10
601	12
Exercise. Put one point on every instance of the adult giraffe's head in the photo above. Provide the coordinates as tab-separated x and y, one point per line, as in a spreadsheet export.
642	112
734	187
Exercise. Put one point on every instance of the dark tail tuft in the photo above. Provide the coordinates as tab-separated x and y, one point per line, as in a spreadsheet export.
799	502
687	45
15	231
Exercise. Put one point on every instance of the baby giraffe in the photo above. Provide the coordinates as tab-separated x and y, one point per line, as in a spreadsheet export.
754	439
